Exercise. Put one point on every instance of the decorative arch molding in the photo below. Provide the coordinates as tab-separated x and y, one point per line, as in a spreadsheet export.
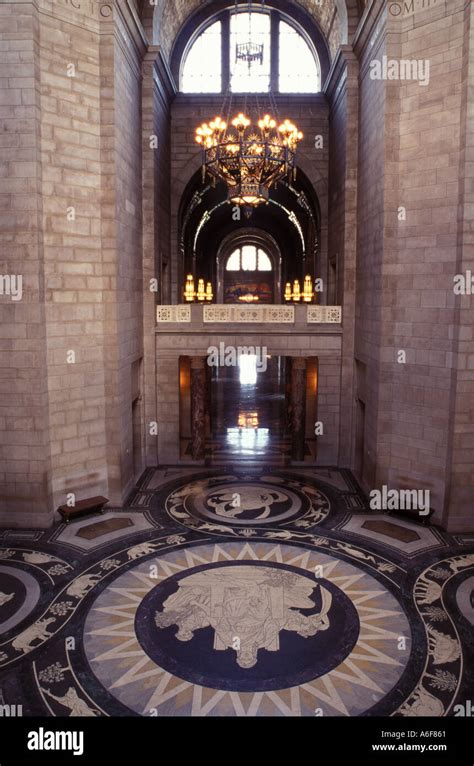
296	13
295	211
336	20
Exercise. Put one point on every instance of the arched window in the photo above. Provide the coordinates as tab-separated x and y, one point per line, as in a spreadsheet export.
249	258
255	52
248	276
298	72
253	78
202	71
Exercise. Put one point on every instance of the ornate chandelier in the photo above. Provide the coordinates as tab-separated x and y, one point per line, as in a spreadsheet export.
248	161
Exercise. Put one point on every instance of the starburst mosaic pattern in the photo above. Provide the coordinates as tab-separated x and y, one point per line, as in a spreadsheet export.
258	632
241	596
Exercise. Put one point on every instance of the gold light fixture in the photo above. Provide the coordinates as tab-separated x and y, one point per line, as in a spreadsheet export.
296	290
189	293
308	293
249	162
295	293
202	294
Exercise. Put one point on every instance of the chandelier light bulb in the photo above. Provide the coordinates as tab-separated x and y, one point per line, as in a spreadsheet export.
241	122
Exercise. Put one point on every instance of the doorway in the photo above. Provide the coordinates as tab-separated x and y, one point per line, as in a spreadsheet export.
248	408
248	419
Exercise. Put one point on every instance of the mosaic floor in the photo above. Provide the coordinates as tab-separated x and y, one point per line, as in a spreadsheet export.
237	593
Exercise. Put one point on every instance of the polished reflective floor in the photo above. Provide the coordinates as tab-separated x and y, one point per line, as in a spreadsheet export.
248	411
249	415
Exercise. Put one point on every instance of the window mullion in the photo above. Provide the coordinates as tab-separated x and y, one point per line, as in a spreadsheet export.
275	52
225	51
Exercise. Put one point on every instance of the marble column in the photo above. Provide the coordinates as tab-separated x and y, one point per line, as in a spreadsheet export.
298	407
198	407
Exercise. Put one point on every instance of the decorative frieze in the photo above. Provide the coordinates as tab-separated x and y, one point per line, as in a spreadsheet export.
232	314
173	314
250	314
324	315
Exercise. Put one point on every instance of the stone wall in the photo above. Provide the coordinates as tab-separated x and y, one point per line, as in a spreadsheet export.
343	95
460	506
413	231
72	227
125	310
370	245
24	418
68	59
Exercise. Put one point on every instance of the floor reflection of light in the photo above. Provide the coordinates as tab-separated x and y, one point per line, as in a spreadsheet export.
248	369
247	440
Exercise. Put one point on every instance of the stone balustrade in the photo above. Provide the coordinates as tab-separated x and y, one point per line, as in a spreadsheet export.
198	315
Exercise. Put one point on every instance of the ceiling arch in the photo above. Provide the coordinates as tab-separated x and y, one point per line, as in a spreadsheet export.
163	20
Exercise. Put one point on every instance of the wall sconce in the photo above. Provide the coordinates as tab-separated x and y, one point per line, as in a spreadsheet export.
295	293
308	293
203	293
189	293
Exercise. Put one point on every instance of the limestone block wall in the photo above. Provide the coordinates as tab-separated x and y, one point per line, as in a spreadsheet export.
157	92
71	188
24	417
460	511
343	96
413	232
69	71
125	309
421	252
370	242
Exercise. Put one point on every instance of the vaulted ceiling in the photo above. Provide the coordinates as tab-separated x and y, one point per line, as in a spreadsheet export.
337	19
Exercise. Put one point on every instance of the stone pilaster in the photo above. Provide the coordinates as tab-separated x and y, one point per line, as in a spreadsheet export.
198	407
298	407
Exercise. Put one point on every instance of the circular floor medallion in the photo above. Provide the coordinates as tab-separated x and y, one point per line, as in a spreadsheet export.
19	594
247	627
247	501
219	629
